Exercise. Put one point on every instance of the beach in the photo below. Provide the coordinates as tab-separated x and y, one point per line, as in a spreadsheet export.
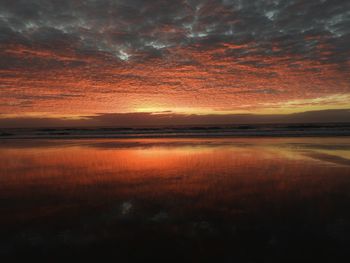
283	199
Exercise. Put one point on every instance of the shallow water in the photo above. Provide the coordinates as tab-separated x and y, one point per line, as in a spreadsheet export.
245	200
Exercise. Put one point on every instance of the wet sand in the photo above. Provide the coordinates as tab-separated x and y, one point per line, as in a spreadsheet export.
195	200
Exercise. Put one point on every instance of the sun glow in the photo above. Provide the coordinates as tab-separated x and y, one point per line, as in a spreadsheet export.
179	110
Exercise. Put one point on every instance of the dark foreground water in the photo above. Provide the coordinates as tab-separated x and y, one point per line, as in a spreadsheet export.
176	200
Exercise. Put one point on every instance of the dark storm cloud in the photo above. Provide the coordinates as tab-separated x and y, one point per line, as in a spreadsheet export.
135	29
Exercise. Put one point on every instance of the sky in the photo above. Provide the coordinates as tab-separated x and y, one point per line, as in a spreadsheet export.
219	60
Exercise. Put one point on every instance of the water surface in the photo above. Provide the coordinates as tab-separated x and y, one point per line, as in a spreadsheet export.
232	200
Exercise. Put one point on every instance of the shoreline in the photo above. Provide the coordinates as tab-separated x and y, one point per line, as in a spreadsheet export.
175	136
234	131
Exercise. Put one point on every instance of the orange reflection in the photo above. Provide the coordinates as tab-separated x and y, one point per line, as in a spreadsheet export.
220	175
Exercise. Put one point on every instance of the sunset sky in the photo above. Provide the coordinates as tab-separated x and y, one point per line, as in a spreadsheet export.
72	60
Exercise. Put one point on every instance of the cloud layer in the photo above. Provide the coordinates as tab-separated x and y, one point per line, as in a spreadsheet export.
83	57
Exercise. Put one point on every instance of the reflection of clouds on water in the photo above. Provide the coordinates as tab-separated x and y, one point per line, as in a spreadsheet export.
126	208
227	192
161	216
317	146
336	153
328	158
205	228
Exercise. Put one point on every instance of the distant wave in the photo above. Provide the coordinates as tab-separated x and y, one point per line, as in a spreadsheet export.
184	131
